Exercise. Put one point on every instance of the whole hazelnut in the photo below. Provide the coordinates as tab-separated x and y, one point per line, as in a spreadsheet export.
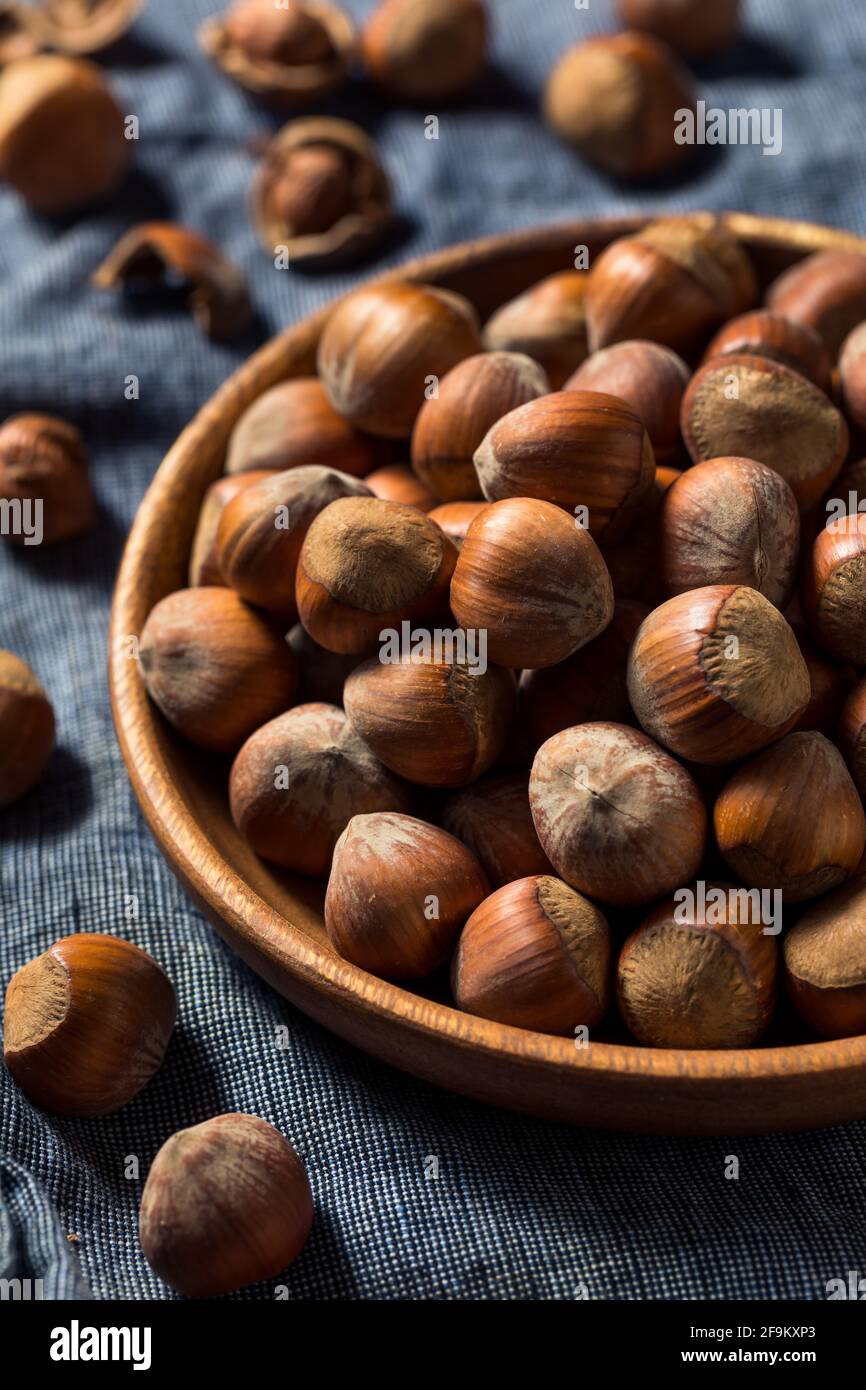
226	1203
648	377
792	819
367	565
535	955
618	818
43	471
547	323
752	407
451	425
762	333
633	560
699	976
673	282
384	345
493	818
455	518
62	135
298	781
86	1024
731	521
426	50
215	668
832	682
204	558
399	892
292	53
82	26
397	483
534	579
692	27
286	33
26	729
852	374
852	735
615	99
825	291
715	674
294	424
262	529
322	673
577	449
435	721
825	963
834	588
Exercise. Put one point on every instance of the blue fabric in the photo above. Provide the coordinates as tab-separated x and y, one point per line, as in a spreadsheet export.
521	1209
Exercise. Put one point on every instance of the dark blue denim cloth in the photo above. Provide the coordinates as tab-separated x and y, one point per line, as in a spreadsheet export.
521	1209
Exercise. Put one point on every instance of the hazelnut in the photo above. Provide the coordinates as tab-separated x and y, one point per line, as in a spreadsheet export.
226	1203
699	977
673	282
615	99
26	729
62	135
692	27
494	820
298	781
294	423
82	26
261	532
43	463
426	50
831	681
715	674
455	518
577	449
648	377
86	1024
731	521
399	892
618	818
792	819
215	668
451	425
204	560
292	54
752	407
436	722
322	673
834	588
534	580
825	963
852	374
397	483
761	333
633	561
382	347
825	291
367	565
16	39
321	191
587	687
852	735
535	955
547	323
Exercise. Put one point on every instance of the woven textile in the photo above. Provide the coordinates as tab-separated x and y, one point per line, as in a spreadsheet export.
520	1209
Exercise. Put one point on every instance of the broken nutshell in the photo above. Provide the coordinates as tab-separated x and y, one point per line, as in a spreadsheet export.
290	54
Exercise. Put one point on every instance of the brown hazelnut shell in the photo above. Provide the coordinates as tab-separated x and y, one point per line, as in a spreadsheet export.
852	735
81	28
26	729
650	378
204	567
293	424
455	518
832	683
397	483
493	819
425	50
44	459
825	963
763	333
852	374
834	588
547	323
693	27
281	83
825	291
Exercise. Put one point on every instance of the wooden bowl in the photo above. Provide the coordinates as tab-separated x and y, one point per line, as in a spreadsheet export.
274	921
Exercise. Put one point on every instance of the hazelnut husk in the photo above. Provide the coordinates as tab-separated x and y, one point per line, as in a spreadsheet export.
455	518
86	1024
204	567
577	449
367	565
81	26
763	333
43	459
398	894
533	580
26	729
452	424
292	54
715	674
62	135
321	191
684	981
651	379
298	781
493	818
834	588
215	667
852	375
752	407
615	97
618	818
731	521
384	346
547	323
294	423
535	955
825	963
693	27
426	50
226	1203
826	291
852	735
396	482
792	819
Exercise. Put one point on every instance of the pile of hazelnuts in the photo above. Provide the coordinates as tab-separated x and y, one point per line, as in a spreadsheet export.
543	641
